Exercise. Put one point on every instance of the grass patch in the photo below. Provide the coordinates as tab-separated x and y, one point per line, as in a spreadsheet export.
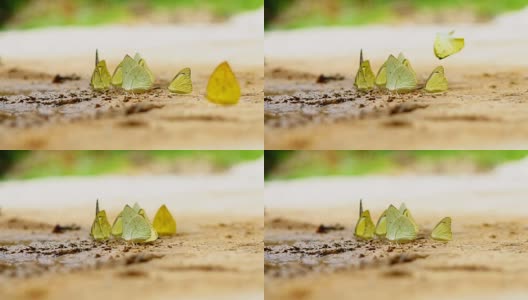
34	14
288	14
302	164
37	164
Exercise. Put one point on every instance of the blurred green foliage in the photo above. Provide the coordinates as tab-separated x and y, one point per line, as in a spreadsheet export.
34	164
31	14
306	13
300	164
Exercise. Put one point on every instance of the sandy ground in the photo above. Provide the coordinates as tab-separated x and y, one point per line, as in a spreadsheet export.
217	252
38	114
484	107
485	260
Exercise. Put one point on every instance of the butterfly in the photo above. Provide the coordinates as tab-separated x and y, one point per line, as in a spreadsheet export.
401	230
100	77
133	74
181	83
143	64
124	67
100	227
445	44
365	78
381	225
153	232
442	231
365	227
136	226
407	63
223	87
437	82
164	223
406	212
400	76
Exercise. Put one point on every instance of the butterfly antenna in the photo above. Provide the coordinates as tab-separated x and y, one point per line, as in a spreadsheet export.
360	57
360	207
96	57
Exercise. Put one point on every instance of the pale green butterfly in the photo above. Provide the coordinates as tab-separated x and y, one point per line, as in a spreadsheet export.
153	232
124	67
442	231
181	83
137	80
401	230
437	82
400	78
126	213
381	225
136	207
445	44
135	227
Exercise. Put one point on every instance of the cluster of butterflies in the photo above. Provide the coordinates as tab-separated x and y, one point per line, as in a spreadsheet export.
397	225
133	225
397	74
134	75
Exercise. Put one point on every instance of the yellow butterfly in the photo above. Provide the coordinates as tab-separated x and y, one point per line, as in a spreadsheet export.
223	87
100	227
181	83
100	77
381	225
442	231
445	44
365	78
164	223
365	227
437	82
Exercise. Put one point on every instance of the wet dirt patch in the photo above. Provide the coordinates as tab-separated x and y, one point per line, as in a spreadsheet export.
33	103
299	261
301	113
298	250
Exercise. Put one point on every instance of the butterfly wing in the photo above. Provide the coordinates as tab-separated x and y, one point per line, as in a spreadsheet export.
401	79
164	223
365	78
408	214
445	45
365	227
137	80
117	227
143	63
223	87
153	232
401	230
442	231
381	225
437	82
381	77
136	230
124	67
182	83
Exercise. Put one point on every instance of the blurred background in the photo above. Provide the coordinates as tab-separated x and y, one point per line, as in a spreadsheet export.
40	13
302	164
37	164
307	13
63	185
431	182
